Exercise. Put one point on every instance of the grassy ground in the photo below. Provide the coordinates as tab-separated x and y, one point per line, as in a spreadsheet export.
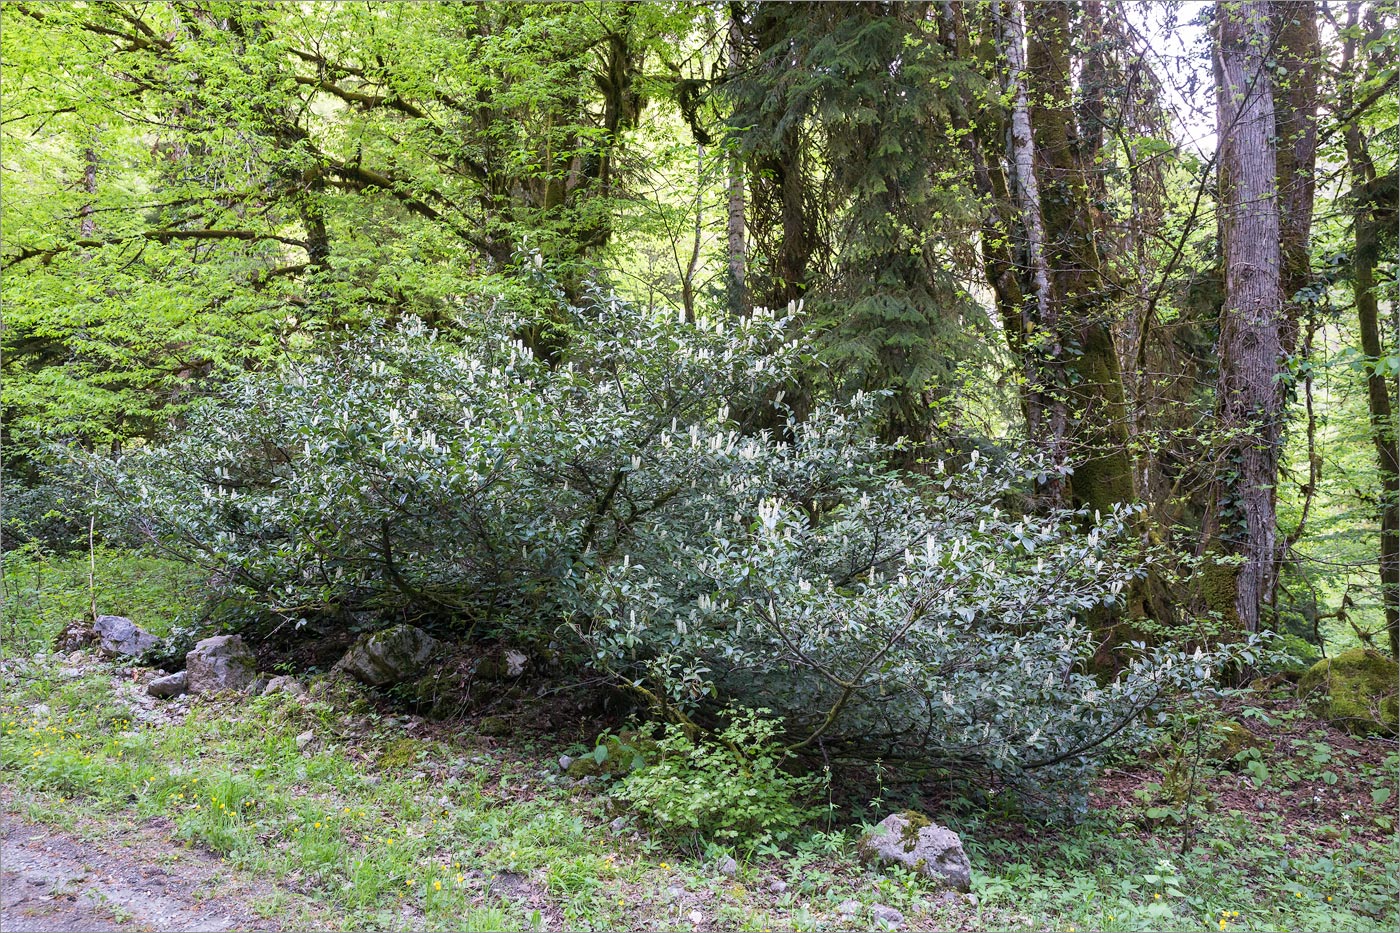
380	820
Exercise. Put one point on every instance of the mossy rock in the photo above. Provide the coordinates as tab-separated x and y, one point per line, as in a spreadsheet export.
623	753
340	692
438	695
391	656
401	753
913	822
495	726
913	841
1356	690
1234	738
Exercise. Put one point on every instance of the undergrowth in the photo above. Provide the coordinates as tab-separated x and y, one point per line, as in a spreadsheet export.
475	831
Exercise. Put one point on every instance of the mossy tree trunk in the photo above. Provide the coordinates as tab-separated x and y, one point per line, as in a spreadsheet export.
1249	387
1295	103
1373	211
1060	327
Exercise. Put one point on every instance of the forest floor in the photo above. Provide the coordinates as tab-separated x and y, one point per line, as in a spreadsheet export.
344	811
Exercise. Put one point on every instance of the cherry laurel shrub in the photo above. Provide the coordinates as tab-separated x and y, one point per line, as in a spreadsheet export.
625	493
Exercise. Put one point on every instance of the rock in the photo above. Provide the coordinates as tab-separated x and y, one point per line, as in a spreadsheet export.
848	908
388	657
284	685
1355	690
727	867
447	691
494	726
887	915
122	638
171	685
1233	739
305	739
777	886
912	840
256	688
696	917
76	635
564	762
220	663
618	826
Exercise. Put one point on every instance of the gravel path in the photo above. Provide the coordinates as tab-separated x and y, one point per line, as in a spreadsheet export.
135	881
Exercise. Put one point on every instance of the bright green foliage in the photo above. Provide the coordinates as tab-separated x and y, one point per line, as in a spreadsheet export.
616	755
40	594
730	787
215	185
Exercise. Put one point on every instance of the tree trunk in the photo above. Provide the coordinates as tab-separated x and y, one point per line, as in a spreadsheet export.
1085	355
87	224
1371	209
1383	432
1047	415
1073	398
1249	396
737	246
1299	55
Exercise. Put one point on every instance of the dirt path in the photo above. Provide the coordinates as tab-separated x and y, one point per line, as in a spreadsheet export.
135	880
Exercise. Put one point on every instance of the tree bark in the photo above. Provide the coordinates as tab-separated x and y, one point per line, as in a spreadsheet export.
1047	416
1073	398
734	227
1249	395
1383	432
87	224
1371	209
1298	56
1085	355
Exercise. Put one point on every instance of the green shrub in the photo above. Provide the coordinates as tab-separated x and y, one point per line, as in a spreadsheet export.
626	490
730	788
616	755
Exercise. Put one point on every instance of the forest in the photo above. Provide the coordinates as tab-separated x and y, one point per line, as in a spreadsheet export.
757	465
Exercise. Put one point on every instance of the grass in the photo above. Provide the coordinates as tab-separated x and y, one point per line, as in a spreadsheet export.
42	594
468	832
